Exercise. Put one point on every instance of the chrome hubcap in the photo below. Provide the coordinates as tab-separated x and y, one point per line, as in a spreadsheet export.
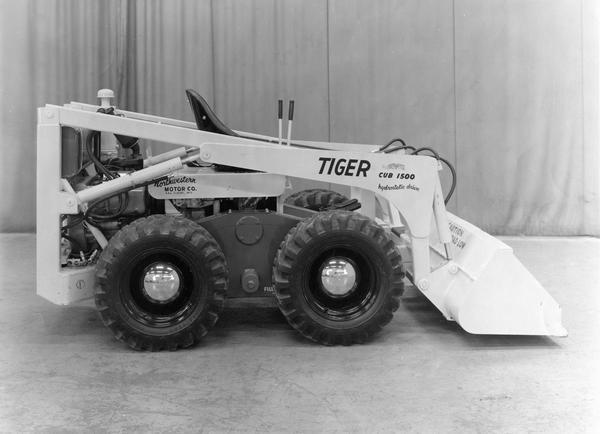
161	282
338	277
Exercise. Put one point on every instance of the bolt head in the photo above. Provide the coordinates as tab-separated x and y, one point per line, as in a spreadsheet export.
423	284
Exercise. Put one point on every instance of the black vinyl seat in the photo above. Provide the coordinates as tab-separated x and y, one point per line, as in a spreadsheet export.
206	119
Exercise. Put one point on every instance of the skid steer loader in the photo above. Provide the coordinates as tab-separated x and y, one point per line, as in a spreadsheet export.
159	241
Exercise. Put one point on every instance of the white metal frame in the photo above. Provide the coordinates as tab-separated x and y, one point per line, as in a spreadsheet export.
409	184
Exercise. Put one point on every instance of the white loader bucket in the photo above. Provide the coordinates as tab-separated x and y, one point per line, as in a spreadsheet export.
485	288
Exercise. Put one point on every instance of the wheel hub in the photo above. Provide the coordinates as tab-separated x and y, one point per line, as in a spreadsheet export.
338	277
162	282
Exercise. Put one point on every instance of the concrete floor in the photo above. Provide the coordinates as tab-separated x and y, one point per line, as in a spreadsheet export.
61	370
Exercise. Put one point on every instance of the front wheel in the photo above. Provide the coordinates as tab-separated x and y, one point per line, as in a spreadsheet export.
338	277
161	283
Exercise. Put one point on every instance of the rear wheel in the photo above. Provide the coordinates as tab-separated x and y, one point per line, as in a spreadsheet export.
338	276
161	283
316	199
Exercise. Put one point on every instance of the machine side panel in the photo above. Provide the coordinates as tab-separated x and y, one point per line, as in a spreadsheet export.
407	182
250	240
207	183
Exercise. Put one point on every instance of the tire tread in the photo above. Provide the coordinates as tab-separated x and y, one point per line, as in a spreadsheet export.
298	238
176	227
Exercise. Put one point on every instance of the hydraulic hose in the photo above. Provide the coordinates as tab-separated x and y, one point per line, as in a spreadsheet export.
416	151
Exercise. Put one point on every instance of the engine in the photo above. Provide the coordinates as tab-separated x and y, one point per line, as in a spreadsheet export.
90	158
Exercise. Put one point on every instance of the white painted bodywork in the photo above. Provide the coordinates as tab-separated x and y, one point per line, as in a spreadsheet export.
482	285
192	181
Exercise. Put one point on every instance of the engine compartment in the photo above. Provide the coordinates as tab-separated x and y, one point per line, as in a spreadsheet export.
90	158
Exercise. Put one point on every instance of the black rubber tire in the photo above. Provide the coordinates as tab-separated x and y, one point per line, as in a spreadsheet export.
136	318
356	316
317	199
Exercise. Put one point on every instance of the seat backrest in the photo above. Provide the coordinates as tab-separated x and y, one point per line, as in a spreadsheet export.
206	119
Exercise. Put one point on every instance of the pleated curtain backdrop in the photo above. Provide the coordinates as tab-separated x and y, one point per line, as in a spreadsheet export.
51	52
505	89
